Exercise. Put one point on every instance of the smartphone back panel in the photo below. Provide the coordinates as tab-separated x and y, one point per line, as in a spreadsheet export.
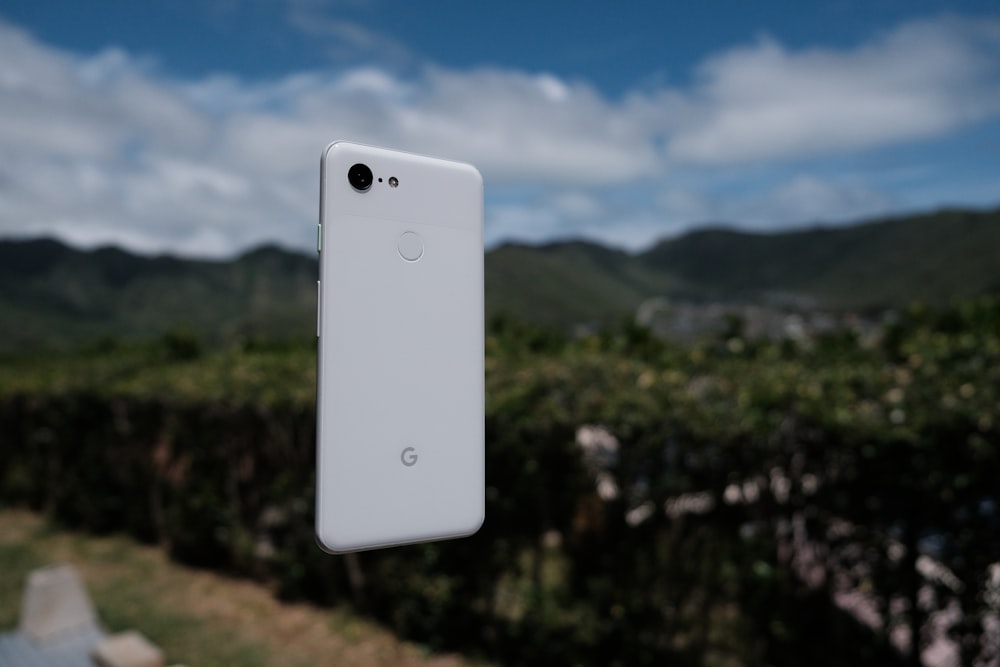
400	401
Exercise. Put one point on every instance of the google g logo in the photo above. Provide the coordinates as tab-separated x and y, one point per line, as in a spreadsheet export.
409	457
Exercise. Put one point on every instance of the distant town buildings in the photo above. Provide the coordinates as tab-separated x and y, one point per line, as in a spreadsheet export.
778	317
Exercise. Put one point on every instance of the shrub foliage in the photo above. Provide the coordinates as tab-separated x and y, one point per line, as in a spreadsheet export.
731	502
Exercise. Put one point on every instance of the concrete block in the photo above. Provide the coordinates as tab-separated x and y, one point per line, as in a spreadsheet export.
127	649
55	605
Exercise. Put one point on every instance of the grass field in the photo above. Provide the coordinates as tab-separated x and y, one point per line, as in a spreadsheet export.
200	619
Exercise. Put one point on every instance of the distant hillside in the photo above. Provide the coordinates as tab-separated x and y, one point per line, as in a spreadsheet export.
563	284
930	258
52	294
933	258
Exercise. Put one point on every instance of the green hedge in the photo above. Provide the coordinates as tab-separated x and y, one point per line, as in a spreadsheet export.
876	452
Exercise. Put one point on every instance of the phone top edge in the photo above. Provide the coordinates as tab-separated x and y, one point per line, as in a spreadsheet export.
347	143
452	197
333	144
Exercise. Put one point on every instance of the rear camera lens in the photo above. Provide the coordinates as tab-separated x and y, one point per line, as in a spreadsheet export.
360	177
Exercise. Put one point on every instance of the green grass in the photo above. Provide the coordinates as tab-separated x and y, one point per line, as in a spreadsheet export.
125	588
198	618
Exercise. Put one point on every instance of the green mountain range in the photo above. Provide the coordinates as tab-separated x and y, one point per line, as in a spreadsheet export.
55	295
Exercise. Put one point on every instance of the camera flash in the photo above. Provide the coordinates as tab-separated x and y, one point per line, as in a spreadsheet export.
393	181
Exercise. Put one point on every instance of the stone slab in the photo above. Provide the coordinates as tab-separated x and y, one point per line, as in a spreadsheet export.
17	650
127	649
55	605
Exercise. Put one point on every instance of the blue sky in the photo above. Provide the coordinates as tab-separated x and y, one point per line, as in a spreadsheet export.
196	128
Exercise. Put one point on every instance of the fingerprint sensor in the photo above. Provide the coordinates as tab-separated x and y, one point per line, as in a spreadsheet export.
410	246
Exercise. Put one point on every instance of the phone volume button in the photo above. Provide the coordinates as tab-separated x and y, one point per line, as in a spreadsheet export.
319	305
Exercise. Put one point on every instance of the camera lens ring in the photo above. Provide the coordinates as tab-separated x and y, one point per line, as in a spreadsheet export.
360	177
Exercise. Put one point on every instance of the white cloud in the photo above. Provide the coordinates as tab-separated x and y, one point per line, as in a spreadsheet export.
344	40
520	128
528	223
801	199
805	199
546	216
106	148
578	205
763	102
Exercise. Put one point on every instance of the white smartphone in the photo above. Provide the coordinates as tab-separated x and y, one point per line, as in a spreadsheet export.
400	396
